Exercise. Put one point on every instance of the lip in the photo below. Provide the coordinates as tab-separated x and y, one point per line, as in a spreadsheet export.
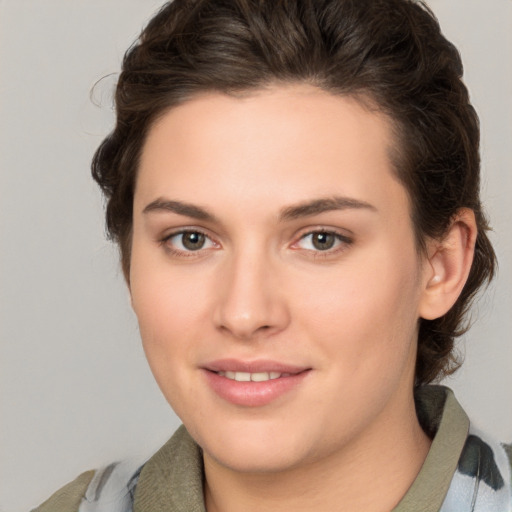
253	394
260	365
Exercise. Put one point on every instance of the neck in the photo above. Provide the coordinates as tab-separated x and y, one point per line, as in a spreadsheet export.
370	475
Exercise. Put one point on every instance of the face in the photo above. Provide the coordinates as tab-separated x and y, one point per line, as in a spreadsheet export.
275	276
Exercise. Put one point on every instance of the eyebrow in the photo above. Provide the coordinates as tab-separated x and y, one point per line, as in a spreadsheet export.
181	208
321	205
293	212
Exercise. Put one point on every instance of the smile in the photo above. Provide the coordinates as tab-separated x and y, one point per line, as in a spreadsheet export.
252	377
253	383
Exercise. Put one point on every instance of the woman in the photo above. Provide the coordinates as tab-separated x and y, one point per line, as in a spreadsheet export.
294	188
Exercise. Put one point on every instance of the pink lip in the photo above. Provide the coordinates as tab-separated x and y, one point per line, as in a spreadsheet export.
253	394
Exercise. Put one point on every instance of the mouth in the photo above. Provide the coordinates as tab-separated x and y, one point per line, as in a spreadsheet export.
253	384
252	377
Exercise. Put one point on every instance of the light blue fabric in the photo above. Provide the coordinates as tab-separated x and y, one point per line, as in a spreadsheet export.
482	482
112	488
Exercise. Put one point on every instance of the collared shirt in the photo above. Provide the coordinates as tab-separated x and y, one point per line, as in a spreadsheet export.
464	471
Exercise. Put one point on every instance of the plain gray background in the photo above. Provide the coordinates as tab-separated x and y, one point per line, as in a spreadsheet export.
76	390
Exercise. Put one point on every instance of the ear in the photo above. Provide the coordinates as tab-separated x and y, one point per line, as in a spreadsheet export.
448	264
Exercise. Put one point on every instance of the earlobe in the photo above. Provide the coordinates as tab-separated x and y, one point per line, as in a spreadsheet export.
448	264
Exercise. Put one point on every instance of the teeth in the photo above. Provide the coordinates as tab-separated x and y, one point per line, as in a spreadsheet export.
254	377
260	377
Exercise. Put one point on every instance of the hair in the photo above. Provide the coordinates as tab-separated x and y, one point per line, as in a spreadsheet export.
390	53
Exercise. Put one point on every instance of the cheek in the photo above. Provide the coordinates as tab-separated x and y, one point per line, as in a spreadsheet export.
366	315
164	306
164	299
165	324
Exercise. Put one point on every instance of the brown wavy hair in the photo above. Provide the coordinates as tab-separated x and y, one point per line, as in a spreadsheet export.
390	53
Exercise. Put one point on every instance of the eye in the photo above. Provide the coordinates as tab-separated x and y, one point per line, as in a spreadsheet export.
322	241
189	241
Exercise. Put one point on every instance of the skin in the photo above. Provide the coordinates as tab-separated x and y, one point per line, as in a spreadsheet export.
259	289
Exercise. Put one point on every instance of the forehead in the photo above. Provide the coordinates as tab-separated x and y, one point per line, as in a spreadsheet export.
284	143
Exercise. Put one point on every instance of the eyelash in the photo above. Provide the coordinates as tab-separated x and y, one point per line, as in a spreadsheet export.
343	243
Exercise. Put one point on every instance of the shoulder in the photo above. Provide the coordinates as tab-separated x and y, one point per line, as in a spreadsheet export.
465	468
174	472
483	478
68	498
111	486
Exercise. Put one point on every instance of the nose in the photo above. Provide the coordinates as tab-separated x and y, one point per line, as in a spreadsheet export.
250	301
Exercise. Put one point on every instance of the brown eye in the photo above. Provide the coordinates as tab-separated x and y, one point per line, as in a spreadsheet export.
323	241
193	240
189	241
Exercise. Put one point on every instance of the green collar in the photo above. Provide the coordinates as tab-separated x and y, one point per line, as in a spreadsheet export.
441	416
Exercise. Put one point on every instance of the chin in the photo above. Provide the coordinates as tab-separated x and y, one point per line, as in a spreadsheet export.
255	447
261	460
